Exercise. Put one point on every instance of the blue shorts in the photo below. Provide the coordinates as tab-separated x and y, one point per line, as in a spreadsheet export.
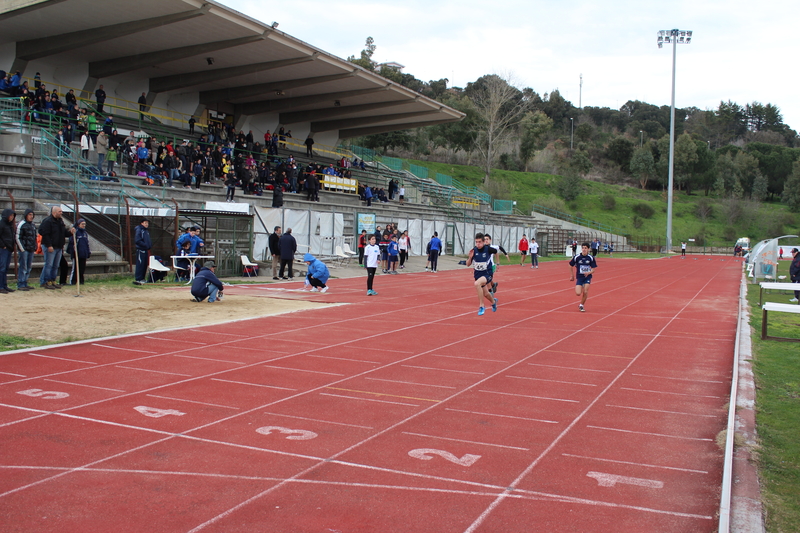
384	256
583	280
483	274
393	259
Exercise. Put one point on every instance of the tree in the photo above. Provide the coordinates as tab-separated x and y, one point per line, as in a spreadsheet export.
570	187
620	151
499	107
533	127
685	158
580	163
726	173
643	165
760	187
365	60
584	132
746	170
395	139
791	189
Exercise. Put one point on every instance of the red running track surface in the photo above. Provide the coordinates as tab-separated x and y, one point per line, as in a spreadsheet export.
402	412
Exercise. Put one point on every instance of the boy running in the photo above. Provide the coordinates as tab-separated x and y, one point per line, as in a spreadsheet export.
487	239
585	265
481	258
372	255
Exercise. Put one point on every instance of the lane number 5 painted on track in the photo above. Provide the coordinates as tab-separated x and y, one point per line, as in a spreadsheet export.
293	434
425	454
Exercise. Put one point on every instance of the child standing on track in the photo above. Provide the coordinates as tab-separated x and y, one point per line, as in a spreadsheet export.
534	248
585	265
393	251
372	255
480	258
523	249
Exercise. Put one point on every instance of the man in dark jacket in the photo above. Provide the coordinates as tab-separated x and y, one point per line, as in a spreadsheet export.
794	272
6	247
275	250
206	284
288	247
54	234
26	244
100	95
143	245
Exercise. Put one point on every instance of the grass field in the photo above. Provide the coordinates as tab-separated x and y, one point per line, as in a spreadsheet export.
777	371
720	227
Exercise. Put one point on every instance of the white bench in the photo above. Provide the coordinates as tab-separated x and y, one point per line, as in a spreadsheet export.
776	286
778	308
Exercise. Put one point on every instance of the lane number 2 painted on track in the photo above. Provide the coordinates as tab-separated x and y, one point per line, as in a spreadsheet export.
293	434
152	412
44	394
425	454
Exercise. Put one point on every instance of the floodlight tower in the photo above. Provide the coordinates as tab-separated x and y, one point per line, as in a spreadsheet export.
674	37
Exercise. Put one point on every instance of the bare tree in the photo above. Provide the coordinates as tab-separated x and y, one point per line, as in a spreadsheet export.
499	107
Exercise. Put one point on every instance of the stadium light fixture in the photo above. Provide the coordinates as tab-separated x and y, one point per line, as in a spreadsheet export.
274	25
673	37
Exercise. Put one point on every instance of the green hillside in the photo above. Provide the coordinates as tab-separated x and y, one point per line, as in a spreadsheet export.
709	220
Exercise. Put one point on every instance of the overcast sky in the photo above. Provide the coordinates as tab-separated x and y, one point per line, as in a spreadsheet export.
740	51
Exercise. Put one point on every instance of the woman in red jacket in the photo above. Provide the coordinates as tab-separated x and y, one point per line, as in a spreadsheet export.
523	249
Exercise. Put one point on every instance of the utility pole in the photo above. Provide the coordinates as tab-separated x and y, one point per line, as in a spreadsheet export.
580	94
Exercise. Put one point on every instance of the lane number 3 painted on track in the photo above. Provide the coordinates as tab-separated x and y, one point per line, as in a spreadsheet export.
425	454
44	394
293	434
152	412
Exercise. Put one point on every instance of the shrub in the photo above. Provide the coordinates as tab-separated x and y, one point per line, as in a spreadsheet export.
729	234
637	222
704	210
552	202
570	187
644	210
609	202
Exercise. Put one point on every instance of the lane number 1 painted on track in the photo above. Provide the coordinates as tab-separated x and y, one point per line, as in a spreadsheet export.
293	434
44	394
425	454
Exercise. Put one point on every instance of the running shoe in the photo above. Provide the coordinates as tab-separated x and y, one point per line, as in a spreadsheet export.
581	309
494	286
324	289
793	300
314	289
494	306
481	310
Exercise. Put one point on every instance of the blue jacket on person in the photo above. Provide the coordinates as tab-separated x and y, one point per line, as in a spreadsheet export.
436	244
82	237
317	269
368	192
201	280
142	239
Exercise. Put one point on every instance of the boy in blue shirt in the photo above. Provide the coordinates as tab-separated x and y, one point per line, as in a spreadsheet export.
584	265
480	258
436	250
393	251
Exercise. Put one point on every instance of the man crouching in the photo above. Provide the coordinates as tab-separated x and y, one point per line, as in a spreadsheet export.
206	284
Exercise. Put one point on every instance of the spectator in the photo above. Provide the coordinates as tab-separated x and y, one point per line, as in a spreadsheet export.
206	284
318	273
309	144
192	122
368	195
26	244
288	247
182	266
402	193
7	243
100	95
230	183
362	243
111	159
142	105
436	249
54	234
102	149
275	250
91	126
404	244
143	245
70	98
62	145
86	145
794	272
312	186
277	196
81	236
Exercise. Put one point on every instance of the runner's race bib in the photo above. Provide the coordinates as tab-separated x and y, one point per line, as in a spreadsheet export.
481	266
585	269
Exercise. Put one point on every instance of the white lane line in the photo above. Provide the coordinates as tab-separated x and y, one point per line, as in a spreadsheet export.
154	371
527	396
444	370
555	381
502	416
466	441
252	384
572	368
344	359
62	359
679	379
411	383
192	401
124	349
82	385
635	464
182	341
318	420
468	358
660	411
648	433
303	370
210	359
674	393
12	374
218	333
366	399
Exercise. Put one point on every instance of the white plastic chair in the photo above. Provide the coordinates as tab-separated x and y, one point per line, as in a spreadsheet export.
348	250
246	263
343	258
155	265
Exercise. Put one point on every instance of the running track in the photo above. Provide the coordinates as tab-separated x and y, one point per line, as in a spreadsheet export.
404	412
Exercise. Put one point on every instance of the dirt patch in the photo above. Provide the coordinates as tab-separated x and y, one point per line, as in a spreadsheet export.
103	311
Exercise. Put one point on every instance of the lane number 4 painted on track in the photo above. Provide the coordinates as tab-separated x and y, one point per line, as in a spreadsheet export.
44	394
426	454
292	434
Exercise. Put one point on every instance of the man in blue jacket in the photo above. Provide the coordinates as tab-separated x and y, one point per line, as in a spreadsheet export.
143	245
318	273
206	284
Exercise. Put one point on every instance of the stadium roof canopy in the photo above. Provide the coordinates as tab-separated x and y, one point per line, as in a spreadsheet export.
198	54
